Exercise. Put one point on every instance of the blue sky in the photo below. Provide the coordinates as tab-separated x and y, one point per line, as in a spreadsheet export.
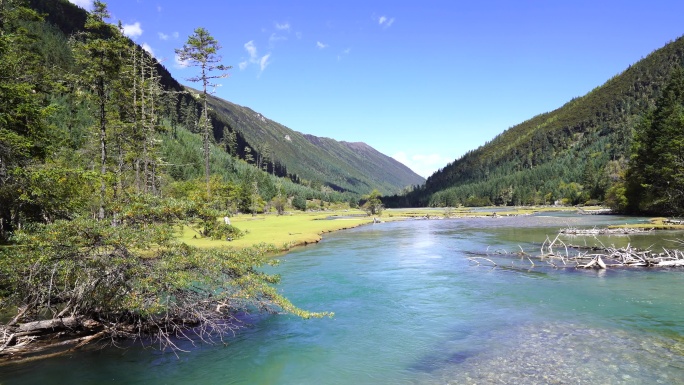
424	82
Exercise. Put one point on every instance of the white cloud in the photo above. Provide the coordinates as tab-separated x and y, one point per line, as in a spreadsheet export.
254	58
275	38
343	53
175	35
181	63
163	36
263	63
385	21
423	165
85	4
147	48
282	27
132	30
321	45
251	49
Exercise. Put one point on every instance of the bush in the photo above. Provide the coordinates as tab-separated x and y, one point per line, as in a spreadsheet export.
225	231
132	280
299	202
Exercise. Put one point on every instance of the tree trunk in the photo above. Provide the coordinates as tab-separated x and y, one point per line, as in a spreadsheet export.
103	147
51	324
206	130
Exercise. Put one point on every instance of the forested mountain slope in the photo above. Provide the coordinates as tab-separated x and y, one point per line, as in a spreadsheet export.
571	154
249	136
100	175
55	82
355	167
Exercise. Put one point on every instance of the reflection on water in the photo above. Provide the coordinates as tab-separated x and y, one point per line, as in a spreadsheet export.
410	308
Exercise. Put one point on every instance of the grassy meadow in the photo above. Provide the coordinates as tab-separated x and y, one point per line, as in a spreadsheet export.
302	228
284	231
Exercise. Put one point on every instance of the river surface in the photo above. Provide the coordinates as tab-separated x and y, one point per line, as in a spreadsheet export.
411	308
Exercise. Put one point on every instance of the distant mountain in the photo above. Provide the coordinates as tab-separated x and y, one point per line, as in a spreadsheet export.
573	153
343	166
352	167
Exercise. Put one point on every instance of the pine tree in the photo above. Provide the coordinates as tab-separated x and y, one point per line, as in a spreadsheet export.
249	158
201	51
230	140
655	179
98	52
23	129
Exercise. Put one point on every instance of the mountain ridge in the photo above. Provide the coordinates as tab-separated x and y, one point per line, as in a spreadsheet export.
311	164
573	153
342	166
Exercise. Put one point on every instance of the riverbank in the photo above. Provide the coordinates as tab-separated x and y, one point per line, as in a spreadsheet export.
467	324
654	224
282	231
295	229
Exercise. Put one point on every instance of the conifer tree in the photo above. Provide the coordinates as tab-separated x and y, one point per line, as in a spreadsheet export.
655	179
23	130
99	54
201	51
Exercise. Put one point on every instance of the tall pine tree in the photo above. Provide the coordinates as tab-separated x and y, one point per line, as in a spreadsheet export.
656	174
23	108
201	51
99	55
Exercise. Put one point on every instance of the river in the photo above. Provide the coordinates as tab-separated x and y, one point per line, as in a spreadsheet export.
410	308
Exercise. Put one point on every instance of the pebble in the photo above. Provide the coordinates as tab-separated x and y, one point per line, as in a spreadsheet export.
566	353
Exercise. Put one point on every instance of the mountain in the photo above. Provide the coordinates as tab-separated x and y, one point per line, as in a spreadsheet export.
573	153
342	166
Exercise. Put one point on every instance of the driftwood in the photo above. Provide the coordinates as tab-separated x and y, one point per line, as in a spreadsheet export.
630	256
595	231
47	337
557	254
50	325
476	260
595	212
27	351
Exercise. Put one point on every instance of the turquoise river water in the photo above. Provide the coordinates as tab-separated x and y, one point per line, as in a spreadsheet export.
410	308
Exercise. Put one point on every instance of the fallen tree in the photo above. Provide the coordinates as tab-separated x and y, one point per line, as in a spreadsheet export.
595	211
557	254
72	283
604	231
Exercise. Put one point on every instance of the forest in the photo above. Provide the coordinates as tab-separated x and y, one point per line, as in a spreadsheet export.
103	159
592	150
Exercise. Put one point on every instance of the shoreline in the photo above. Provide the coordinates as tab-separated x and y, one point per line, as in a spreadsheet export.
299	229
303	229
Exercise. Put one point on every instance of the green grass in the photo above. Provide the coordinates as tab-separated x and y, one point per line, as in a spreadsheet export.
654	223
299	228
461	212
285	231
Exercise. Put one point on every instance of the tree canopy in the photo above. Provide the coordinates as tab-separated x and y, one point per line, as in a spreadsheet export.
201	50
655	180
568	155
99	169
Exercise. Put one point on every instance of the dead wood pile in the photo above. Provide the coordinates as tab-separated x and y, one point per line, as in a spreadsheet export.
557	254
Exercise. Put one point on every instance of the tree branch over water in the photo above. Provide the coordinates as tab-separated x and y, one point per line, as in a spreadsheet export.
76	282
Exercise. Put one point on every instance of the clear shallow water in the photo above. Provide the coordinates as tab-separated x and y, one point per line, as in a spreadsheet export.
410	308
